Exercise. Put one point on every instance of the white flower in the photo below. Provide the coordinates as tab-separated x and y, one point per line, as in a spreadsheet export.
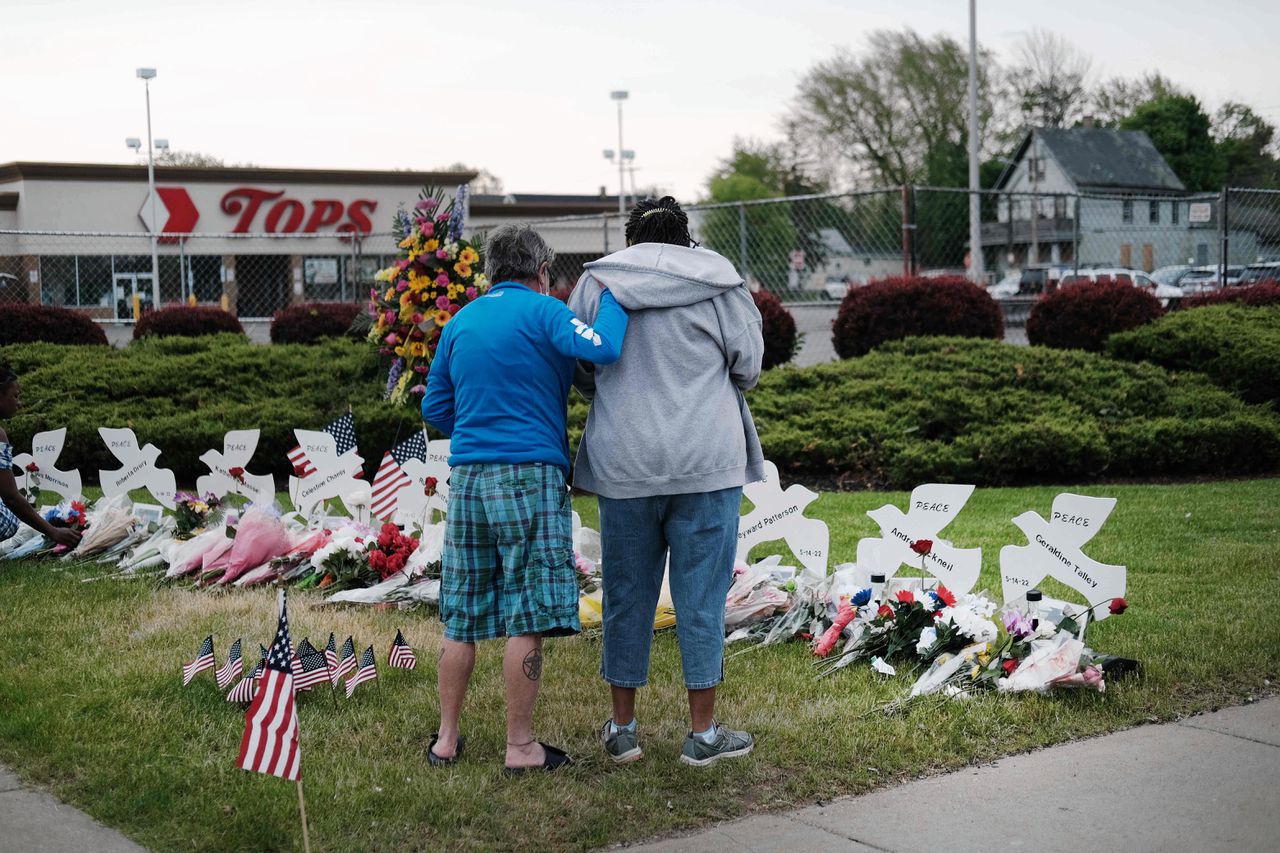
1046	629
878	664
359	499
972	625
928	637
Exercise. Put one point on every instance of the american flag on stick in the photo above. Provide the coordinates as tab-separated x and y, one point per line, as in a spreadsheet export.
270	742
401	656
232	668
243	691
368	671
204	660
343	431
331	657
391	477
347	660
315	670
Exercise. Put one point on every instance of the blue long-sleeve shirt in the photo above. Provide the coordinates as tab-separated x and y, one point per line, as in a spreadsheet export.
499	381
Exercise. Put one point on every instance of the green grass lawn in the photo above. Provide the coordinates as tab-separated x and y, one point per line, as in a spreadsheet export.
92	707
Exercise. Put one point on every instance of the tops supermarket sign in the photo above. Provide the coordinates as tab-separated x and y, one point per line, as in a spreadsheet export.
256	210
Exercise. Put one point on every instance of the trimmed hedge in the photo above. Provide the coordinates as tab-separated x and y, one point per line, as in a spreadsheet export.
1236	346
25	324
1085	314
781	343
920	410
313	322
896	308
186	321
1262	293
962	410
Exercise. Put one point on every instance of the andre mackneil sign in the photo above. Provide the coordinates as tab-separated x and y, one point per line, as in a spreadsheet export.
246	209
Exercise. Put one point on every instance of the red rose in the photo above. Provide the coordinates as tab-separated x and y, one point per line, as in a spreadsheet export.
33	468
1009	666
945	595
922	546
237	474
904	596
430	486
1118	606
885	612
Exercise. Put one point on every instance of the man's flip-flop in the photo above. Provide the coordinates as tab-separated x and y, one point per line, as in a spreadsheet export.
435	760
554	759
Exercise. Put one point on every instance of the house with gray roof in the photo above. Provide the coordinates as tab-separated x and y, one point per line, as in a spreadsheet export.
1099	197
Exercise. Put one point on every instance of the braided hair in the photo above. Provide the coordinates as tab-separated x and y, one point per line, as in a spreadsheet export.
659	220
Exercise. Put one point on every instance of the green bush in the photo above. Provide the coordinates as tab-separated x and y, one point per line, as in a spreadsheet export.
913	411
183	394
1236	346
964	410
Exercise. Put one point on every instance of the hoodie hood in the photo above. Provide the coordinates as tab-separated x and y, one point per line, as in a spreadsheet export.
659	275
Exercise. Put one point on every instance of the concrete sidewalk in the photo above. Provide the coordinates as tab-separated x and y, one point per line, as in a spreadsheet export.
1206	783
34	822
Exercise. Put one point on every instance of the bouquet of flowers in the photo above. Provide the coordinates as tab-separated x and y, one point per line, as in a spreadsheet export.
437	274
193	514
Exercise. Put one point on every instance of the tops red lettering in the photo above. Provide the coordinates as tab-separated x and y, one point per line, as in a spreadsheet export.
288	215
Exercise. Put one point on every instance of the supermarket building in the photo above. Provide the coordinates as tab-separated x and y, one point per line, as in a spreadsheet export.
252	239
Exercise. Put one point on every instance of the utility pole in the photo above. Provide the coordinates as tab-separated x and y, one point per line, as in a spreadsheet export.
976	271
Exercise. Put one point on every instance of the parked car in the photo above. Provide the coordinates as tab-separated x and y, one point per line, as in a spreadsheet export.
1206	278
1040	279
1007	286
1172	274
1264	271
1121	275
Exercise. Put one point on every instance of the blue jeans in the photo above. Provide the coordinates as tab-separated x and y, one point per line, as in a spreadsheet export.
701	532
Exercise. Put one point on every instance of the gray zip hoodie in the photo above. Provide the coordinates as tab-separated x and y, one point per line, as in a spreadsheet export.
669	416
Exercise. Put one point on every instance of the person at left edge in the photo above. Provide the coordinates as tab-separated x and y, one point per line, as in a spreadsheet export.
498	388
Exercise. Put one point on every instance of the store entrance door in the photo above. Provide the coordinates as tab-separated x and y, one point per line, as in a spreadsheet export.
262	284
126	285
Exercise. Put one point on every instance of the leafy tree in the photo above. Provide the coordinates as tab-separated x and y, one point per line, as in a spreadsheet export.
1048	82
879	114
1246	142
1117	99
757	238
1179	128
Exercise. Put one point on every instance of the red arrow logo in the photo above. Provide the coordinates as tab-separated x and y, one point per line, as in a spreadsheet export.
180	212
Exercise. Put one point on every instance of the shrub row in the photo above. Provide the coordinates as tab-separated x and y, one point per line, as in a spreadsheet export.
779	329
1085	314
1236	346
186	321
1262	293
896	308
24	324
313	322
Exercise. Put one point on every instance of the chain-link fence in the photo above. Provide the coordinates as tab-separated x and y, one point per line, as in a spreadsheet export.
803	248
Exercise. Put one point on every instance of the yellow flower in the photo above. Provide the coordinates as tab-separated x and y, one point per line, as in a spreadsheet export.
482	283
418	349
431	245
442	317
984	658
462	269
418	285
407	241
469	256
400	351
973	673
391	294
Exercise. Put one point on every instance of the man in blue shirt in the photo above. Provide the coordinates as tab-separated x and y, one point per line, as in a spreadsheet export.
498	387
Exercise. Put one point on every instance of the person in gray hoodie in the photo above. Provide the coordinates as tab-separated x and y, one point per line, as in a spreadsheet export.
668	445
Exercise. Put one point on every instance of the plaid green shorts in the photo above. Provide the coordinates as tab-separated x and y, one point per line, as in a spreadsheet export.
508	568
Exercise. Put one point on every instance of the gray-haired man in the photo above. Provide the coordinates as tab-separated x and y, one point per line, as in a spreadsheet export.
498	387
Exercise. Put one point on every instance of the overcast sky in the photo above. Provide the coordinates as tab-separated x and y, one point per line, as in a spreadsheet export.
522	88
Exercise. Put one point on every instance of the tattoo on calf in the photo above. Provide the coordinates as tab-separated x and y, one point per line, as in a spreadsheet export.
533	665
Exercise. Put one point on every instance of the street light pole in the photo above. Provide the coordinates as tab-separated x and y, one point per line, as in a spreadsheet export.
976	271
620	95
147	74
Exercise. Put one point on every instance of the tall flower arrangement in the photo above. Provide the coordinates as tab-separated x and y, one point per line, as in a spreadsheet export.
438	273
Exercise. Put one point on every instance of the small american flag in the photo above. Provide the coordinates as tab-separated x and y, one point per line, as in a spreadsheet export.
343	431
233	667
204	660
270	742
331	652
315	670
243	691
401	656
347	661
391	478
368	671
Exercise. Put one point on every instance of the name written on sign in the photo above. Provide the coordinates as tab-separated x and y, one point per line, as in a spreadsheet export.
124	478
1066	561
767	520
307	491
932	556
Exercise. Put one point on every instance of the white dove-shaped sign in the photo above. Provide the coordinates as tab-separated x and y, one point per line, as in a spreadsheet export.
933	507
778	514
413	499
46	447
332	475
140	470
1054	550
237	449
